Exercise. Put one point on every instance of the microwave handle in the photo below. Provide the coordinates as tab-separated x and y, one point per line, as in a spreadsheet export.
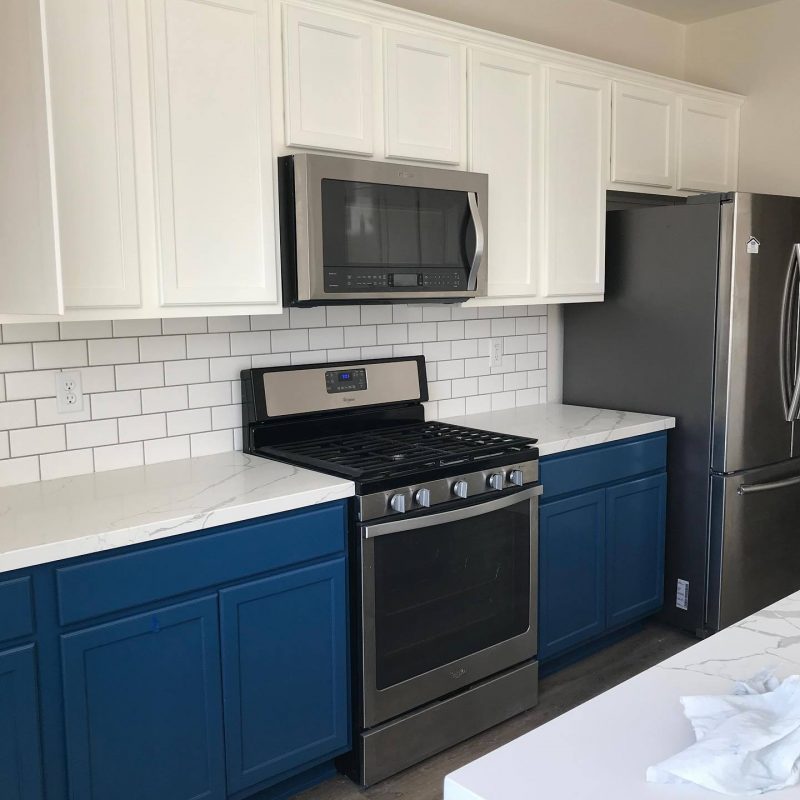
480	241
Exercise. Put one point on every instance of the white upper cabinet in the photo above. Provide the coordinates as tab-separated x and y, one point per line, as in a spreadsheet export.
709	145
425	85
90	86
30	273
213	151
643	136
576	172
505	135
328	78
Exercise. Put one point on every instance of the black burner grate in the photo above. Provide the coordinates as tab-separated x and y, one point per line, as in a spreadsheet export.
398	450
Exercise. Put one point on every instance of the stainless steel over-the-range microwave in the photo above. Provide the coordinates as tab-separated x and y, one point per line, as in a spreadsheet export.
356	231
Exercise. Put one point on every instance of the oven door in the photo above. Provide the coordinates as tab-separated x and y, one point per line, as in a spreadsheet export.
447	599
369	230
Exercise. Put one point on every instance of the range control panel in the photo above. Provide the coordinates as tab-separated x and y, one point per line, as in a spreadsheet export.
345	380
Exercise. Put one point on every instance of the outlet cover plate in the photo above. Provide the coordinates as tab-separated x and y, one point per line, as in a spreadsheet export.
69	392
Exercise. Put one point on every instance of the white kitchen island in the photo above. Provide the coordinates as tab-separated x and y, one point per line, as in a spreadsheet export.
601	749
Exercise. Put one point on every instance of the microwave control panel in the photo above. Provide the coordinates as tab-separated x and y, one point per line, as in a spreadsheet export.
348	280
345	380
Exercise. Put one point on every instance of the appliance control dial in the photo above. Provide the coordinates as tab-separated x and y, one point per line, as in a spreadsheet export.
461	489
516	477
398	503
496	481
423	497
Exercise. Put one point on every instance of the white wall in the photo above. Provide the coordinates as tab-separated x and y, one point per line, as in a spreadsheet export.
756	53
596	28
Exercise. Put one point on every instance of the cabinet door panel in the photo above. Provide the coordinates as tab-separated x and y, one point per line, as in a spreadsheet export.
90	85
30	269
635	525
20	746
213	151
571	572
643	136
143	706
284	645
425	86
505	125
708	145
329	89
577	142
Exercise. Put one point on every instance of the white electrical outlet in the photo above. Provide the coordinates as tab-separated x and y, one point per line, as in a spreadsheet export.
69	394
496	352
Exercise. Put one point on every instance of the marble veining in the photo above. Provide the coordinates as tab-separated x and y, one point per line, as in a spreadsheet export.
561	427
617	735
52	520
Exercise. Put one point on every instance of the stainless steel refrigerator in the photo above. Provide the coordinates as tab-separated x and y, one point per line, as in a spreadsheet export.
701	321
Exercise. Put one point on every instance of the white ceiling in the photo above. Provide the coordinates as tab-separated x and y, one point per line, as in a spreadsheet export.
687	11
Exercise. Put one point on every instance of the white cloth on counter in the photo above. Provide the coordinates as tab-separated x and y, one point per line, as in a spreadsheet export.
748	743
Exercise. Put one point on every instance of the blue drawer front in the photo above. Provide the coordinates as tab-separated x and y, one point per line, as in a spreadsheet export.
16	609
110	585
602	465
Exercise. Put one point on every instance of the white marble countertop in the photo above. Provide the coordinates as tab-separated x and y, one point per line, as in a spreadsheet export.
56	519
602	748
560	427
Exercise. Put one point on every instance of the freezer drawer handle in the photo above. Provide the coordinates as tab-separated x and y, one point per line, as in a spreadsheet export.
750	488
789	345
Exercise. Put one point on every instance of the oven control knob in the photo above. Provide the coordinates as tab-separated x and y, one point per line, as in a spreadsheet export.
423	497
496	481
516	477
461	489
398	503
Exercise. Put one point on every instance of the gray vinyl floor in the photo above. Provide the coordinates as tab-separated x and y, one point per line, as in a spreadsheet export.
558	693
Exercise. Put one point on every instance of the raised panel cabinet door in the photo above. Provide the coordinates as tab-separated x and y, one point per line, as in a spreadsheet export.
643	128
90	87
708	145
143	706
30	266
328	72
214	173
425	85
571	572
20	741
285	673
635	529
505	111
576	170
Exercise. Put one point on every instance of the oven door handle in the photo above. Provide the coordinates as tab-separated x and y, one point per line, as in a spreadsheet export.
480	241
454	515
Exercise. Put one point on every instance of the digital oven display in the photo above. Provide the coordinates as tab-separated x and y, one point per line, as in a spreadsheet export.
345	380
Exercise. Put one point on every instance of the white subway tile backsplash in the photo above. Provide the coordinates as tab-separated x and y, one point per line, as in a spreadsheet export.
33	441
168	389
110	405
113	351
118	456
162	348
17	414
147	426
16	357
91	434
140	376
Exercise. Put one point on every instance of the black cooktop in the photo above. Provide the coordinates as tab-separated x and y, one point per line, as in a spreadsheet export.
402	451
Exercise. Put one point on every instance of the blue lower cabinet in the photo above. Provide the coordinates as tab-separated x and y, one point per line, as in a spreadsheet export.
571	572
285	673
143	706
20	747
635	525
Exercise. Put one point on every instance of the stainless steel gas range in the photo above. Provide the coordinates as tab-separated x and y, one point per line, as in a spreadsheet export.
443	551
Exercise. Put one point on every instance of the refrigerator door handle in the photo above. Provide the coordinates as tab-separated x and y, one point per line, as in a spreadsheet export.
790	385
784	483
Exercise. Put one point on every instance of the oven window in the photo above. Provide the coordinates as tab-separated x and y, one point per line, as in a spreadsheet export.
445	592
378	225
